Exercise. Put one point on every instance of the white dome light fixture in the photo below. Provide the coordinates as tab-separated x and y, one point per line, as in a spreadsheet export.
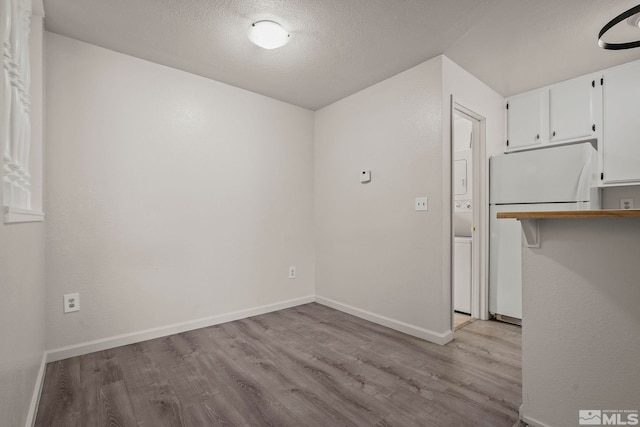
268	34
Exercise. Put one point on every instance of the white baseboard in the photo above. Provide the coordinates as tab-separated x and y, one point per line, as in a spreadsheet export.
532	422
398	325
37	391
135	337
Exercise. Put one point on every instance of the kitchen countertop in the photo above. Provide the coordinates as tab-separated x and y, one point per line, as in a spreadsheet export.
604	213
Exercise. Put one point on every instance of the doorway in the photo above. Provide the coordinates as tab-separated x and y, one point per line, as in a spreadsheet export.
468	217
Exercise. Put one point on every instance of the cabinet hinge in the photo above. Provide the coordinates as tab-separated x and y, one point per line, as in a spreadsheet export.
601	175
593	83
593	128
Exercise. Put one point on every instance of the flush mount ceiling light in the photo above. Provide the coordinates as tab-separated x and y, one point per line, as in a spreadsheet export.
268	34
633	16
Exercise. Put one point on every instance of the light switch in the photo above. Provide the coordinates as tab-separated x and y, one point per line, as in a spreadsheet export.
421	204
365	176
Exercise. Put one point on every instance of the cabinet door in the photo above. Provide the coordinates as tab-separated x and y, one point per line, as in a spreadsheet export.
621	139
462	275
526	119
571	109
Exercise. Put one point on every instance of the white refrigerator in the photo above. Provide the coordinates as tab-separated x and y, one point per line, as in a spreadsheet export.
549	179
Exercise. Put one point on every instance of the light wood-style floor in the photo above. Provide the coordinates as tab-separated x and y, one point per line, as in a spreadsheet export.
305	366
460	320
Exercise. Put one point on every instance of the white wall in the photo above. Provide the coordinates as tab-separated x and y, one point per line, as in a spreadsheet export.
22	282
375	255
374	252
611	196
473	94
22	327
170	197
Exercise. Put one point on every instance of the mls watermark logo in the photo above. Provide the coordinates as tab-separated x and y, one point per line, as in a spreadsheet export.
589	417
598	417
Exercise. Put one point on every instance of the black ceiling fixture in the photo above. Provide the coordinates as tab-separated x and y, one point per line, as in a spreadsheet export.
618	46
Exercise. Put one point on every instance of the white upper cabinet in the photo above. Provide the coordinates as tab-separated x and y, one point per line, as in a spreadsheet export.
602	106
565	112
572	109
527	119
621	139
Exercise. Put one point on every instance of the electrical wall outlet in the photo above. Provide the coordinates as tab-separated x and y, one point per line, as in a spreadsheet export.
71	302
626	203
421	204
292	272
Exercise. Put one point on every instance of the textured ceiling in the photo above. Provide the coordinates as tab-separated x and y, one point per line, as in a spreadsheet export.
338	47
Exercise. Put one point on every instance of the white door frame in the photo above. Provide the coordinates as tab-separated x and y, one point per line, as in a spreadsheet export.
480	235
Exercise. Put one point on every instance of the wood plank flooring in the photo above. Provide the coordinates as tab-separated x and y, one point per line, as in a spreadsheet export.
460	320
305	366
